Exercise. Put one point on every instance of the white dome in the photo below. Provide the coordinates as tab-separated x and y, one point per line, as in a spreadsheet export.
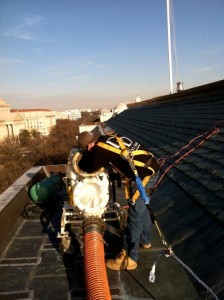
138	99
121	106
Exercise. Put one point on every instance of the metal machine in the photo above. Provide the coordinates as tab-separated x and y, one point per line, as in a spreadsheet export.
85	213
89	201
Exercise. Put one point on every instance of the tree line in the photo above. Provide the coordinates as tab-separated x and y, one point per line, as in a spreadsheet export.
29	149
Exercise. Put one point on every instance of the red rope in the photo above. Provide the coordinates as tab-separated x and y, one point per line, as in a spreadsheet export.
161	161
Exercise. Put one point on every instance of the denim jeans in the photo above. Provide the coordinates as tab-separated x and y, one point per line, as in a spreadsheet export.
138	224
138	228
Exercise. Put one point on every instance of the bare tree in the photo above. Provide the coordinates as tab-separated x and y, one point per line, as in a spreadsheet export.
18	155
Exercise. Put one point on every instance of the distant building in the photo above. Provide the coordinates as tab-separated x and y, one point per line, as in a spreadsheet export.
91	126
73	114
120	107
89	110
40	120
14	120
10	124
60	115
105	114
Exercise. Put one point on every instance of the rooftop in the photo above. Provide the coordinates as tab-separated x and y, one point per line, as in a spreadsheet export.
185	132
32	266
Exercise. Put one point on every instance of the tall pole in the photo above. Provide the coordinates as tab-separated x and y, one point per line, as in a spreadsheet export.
169	46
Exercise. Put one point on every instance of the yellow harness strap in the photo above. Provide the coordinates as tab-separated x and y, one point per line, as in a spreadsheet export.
124	152
119	151
127	190
108	147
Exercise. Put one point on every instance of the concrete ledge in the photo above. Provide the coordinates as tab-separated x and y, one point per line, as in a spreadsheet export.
13	200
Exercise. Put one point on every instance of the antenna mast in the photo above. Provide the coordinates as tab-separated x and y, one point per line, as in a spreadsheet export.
169	46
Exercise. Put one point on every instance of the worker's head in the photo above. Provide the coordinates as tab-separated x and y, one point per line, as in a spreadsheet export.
87	138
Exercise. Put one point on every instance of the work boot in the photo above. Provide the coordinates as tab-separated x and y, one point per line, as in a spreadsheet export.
121	262
131	264
146	246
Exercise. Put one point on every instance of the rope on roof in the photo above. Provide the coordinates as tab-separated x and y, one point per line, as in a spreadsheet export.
169	253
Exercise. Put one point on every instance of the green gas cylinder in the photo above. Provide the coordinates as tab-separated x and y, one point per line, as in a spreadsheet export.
41	191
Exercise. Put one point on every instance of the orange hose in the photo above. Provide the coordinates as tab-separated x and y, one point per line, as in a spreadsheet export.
97	286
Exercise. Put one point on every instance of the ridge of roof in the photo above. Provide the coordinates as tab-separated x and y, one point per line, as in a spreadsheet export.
204	89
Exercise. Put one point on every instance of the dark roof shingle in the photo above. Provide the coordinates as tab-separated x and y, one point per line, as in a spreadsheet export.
185	131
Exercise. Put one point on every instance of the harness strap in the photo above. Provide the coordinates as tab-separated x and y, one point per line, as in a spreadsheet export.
124	152
108	147
121	144
127	190
119	151
141	164
133	152
128	155
141	152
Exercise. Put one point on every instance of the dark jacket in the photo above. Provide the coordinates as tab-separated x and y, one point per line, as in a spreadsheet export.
99	157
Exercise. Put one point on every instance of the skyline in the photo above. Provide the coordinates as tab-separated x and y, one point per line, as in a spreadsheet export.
97	54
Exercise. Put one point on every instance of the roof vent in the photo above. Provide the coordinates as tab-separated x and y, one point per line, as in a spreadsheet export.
180	86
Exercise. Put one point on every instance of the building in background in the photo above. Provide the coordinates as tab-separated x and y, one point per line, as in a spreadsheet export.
10	124
73	114
106	114
12	121
88	110
40	120
15	120
120	108
60	115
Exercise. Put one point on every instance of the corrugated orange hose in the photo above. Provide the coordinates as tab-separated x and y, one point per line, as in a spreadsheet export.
97	286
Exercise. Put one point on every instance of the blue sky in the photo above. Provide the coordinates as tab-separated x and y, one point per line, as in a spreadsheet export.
97	53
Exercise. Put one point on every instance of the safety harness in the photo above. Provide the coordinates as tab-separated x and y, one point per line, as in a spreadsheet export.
125	152
128	155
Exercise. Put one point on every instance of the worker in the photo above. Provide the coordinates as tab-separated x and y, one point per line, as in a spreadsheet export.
103	151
